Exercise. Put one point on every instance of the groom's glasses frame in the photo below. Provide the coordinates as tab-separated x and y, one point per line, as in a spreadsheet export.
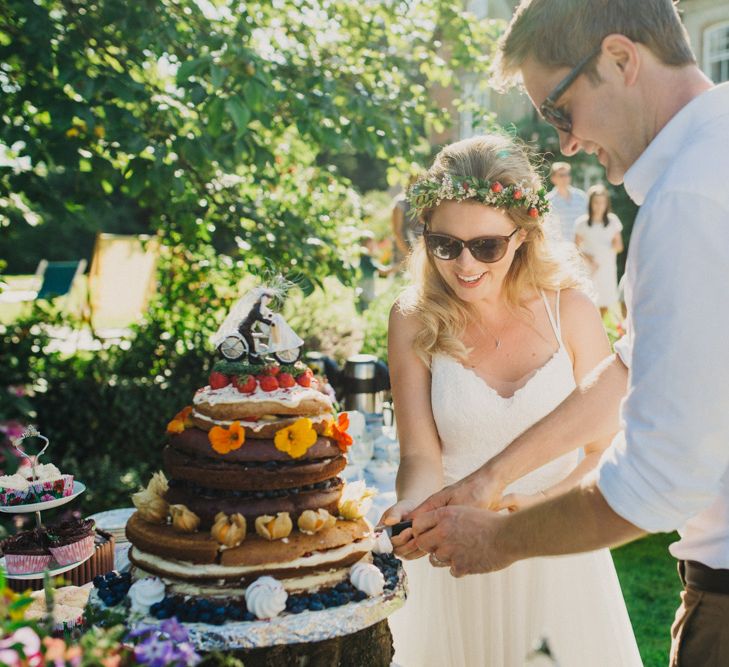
557	116
486	249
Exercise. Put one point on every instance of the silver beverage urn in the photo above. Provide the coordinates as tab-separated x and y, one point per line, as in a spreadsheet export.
364	382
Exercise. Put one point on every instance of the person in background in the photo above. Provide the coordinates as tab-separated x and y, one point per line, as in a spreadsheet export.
405	227
568	203
369	268
598	237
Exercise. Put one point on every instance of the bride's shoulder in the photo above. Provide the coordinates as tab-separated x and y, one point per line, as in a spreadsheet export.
404	319
581	323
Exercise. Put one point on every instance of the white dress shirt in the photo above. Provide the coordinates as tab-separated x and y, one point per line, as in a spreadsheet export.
565	211
669	468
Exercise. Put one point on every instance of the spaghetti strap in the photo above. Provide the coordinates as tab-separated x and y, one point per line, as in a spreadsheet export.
555	324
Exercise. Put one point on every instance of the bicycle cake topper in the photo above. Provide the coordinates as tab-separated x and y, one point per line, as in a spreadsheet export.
253	330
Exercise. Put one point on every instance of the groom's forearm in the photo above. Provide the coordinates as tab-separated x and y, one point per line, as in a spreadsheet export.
590	413
579	520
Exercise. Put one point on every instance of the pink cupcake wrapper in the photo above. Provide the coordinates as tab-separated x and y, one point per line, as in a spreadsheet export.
26	563
72	553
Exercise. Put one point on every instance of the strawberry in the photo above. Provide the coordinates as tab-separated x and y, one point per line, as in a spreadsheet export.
245	384
269	383
304	380
286	380
272	370
218	380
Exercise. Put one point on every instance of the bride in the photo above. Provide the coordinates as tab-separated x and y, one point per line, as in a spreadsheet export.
493	334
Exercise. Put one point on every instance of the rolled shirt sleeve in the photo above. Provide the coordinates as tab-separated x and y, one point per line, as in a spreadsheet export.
667	464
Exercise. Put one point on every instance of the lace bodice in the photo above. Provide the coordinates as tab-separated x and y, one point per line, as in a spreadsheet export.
475	422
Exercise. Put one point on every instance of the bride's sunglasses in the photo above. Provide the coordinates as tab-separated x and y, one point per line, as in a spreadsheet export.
487	249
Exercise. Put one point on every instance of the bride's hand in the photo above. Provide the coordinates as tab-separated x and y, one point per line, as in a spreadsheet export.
404	544
519	501
480	489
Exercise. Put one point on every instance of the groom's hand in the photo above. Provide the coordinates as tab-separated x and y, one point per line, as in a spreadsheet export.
480	489
462	538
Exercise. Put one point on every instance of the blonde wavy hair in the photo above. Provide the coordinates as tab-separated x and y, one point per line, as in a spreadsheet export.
539	263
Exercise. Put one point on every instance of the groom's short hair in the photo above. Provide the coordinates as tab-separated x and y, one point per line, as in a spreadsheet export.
559	33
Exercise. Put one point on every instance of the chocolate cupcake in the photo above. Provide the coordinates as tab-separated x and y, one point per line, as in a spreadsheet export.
72	541
27	552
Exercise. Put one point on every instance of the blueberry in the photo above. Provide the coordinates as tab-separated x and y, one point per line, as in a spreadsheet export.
99	581
235	613
161	614
205	617
111	576
315	605
248	616
359	596
218	619
346	596
342	587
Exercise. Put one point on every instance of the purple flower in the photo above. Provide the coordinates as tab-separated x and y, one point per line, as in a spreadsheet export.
155	653
174	630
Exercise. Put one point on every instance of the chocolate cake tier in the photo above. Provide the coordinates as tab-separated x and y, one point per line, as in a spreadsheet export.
195	442
207	502
197	556
222	473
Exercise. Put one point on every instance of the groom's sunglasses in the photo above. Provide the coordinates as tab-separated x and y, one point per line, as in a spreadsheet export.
487	249
557	116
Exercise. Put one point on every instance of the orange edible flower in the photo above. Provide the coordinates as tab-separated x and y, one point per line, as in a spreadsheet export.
338	431
181	421
296	439
225	440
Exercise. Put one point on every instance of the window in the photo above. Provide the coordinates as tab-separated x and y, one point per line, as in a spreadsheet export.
716	52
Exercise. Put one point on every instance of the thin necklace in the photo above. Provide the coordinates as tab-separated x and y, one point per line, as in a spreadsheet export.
484	331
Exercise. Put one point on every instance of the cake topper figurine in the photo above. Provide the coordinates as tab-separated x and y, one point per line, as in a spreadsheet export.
252	329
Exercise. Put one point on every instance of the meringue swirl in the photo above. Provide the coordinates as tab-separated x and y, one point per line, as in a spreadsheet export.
144	593
367	578
266	597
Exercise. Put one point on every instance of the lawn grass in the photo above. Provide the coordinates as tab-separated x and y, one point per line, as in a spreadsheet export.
651	588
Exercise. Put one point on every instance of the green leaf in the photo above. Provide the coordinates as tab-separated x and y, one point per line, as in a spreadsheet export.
218	75
240	114
190	67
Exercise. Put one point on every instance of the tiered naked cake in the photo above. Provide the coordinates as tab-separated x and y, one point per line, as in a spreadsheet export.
249	520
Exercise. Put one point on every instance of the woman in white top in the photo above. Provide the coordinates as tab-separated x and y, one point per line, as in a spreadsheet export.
598	236
492	335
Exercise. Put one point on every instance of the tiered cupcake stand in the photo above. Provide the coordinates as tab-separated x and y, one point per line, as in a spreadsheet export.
37	508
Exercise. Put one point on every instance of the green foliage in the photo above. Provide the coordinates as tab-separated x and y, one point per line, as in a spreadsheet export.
651	589
212	121
327	319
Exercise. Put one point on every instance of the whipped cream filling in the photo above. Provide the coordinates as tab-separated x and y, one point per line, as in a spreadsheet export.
261	423
309	583
229	395
182	569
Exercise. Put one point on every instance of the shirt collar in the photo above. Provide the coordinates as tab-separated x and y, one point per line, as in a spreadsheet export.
662	151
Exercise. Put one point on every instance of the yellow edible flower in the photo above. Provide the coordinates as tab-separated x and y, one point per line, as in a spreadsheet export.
296	439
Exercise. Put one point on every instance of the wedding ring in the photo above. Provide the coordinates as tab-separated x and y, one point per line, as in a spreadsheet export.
437	562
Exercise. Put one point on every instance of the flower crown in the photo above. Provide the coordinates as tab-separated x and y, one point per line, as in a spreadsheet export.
429	192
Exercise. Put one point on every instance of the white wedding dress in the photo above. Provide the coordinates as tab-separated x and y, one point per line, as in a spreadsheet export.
496	620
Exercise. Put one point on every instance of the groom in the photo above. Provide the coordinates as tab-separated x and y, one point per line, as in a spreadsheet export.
617	78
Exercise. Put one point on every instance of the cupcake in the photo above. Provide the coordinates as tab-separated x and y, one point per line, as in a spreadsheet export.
27	552
72	541
22	488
